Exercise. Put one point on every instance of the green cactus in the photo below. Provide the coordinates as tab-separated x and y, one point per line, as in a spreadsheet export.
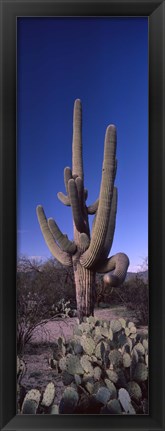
115	358
141	372
111	380
68	401
88	253
125	401
134	390
31	402
86	364
49	394
88	345
111	387
73	365
29	407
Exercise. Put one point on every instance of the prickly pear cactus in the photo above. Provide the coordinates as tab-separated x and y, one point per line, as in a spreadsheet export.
49	394
113	379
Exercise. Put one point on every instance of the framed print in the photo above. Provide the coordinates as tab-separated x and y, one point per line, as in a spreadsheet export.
107	61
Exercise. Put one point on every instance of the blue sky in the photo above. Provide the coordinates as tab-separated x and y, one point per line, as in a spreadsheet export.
104	62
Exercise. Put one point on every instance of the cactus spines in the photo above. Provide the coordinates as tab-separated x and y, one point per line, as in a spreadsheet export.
88	253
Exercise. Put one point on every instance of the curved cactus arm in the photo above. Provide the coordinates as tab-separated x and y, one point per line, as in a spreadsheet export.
60	255
84	241
63	241
111	226
93	208
77	161
118	264
67	177
91	256
63	198
76	210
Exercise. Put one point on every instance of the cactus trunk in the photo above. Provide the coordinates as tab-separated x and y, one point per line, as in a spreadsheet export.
85	290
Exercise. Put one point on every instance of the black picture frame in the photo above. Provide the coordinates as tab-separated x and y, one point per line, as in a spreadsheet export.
155	10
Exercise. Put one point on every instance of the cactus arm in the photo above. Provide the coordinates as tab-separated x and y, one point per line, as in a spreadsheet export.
77	161
60	255
60	238
67	177
80	190
84	242
76	210
93	208
111	226
119	264
63	198
91	256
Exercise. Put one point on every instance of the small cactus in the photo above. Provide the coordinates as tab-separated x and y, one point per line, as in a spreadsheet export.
115	325
141	372
111	387
134	390
68	401
86	364
125	401
88	345
29	407
73	365
103	395
34	397
49	394
112	375
126	360
115	358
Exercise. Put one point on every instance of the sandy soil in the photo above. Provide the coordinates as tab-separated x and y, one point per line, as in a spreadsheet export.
38	372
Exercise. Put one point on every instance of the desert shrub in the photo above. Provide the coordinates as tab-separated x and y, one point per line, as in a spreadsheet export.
104	368
134	295
40	296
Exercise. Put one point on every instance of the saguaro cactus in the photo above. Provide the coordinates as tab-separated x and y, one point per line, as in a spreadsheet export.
88	253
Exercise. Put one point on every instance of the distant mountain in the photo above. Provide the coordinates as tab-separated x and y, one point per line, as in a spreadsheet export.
141	274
